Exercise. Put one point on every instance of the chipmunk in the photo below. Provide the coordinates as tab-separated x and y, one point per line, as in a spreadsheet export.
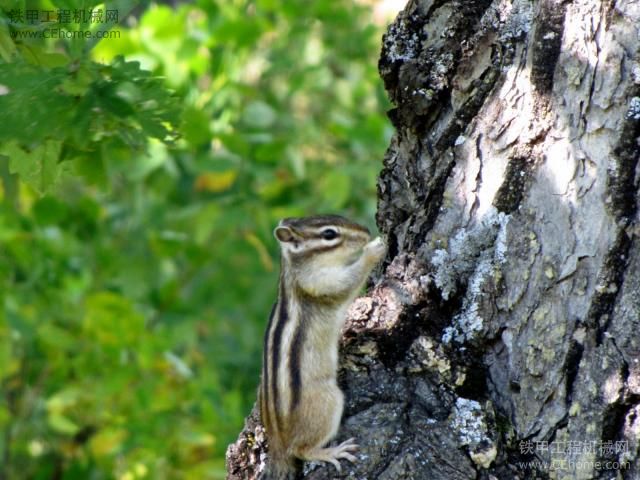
324	262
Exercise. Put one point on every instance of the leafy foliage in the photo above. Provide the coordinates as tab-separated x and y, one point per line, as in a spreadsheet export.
84	114
142	175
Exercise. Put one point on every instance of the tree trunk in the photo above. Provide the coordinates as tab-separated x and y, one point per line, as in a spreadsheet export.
502	339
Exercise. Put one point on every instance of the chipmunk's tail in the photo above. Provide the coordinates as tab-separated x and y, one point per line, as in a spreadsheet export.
282	468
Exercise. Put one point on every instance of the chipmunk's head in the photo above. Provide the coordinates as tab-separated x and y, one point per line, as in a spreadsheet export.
325	240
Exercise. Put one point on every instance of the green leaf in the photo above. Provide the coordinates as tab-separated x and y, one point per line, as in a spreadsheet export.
195	127
48	112
38	167
61	424
63	400
91	168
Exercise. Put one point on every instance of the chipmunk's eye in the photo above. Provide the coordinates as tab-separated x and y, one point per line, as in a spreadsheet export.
329	234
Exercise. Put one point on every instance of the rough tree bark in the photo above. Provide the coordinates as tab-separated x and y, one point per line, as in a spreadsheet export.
505	325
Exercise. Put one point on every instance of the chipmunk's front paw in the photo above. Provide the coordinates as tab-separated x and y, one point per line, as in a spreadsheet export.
375	249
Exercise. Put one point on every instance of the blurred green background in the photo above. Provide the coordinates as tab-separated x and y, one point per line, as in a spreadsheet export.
141	177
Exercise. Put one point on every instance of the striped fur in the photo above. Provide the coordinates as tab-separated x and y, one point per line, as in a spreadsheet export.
264	392
319	277
275	347
295	360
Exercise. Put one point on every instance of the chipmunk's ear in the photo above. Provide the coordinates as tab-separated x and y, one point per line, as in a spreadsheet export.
284	234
